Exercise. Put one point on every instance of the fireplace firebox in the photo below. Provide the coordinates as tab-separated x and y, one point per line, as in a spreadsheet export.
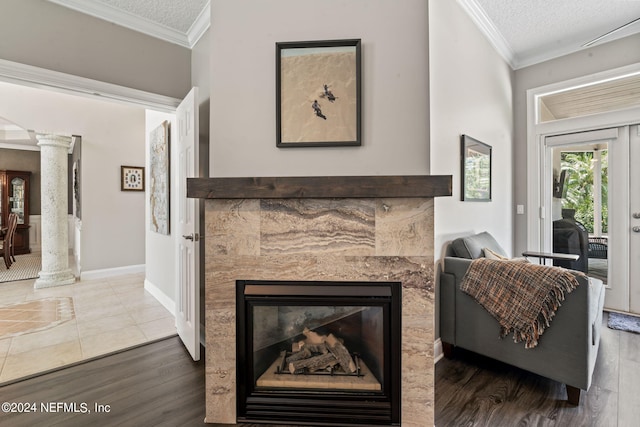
318	353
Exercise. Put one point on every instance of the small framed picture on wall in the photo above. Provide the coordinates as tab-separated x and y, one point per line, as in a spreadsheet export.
131	178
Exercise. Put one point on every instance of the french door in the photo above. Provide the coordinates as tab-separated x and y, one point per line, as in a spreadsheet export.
622	233
634	218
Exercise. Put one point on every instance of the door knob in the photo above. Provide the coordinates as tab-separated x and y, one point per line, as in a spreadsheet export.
192	237
636	215
636	229
188	237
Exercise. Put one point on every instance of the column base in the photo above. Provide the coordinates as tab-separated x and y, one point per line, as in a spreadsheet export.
56	278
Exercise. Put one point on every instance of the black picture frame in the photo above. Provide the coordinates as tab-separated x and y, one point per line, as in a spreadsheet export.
476	170
318	93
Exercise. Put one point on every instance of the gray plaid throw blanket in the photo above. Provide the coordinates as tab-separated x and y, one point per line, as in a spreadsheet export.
523	297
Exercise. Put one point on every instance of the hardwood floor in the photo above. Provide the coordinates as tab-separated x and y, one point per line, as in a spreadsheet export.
153	385
471	390
159	385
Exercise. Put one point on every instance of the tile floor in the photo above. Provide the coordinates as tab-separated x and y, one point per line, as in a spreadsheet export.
106	315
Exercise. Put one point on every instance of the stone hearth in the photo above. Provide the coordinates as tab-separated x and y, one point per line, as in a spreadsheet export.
261	232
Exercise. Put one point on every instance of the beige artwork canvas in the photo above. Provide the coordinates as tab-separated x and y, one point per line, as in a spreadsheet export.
159	178
318	95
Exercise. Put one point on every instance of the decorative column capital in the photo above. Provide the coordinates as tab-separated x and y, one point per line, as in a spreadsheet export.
53	140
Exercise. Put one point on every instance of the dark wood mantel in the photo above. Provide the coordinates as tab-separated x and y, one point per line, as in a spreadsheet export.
320	187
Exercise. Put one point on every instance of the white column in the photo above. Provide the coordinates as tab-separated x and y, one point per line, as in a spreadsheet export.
54	151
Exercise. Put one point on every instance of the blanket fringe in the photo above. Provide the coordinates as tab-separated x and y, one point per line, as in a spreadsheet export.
550	304
502	286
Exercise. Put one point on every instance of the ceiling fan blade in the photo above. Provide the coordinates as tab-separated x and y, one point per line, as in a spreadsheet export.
597	39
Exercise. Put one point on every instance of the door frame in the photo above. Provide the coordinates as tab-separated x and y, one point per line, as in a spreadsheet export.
536	133
537	163
41	78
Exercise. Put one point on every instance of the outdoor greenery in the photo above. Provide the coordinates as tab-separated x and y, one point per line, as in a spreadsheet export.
579	187
477	176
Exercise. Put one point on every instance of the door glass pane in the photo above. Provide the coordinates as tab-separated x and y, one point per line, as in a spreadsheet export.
16	198
580	207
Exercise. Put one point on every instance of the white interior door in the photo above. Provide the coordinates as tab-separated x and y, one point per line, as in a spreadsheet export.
187	304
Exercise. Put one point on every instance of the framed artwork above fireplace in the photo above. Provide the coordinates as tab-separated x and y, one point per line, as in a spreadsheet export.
318	93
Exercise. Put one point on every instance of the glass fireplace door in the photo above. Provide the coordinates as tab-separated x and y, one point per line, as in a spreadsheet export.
307	348
318	347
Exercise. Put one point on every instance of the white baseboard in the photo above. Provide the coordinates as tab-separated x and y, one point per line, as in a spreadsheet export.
111	272
162	298
437	351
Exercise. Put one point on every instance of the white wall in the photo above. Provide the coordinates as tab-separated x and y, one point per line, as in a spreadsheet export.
112	135
471	93
395	88
161	255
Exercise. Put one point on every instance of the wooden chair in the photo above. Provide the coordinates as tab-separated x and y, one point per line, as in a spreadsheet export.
6	246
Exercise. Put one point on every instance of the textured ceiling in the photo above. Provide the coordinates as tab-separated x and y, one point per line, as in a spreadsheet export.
176	14
537	30
524	31
182	22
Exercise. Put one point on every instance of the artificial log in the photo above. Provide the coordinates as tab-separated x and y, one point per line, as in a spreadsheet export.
315	363
305	353
317	348
341	353
313	337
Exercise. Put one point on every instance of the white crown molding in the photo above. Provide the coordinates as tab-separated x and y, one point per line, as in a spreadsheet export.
486	26
26	145
200	26
135	22
27	75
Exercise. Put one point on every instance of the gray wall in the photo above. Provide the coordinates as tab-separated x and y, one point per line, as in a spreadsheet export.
605	57
395	77
113	135
471	92
45	35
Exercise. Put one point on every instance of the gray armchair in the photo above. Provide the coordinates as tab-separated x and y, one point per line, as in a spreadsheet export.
567	350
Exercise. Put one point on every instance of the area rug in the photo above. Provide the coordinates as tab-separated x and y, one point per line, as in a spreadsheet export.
624	322
25	267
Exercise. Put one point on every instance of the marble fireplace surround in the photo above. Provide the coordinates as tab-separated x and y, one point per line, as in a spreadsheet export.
377	228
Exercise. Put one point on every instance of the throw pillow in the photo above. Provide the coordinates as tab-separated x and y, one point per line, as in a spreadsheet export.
489	254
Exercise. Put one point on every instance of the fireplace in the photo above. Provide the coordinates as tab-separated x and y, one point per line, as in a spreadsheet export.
318	353
314	230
